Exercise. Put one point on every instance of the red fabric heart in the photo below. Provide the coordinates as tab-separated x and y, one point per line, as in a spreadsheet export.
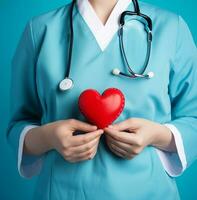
101	110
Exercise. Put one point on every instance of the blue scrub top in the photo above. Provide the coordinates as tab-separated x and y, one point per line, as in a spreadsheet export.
38	66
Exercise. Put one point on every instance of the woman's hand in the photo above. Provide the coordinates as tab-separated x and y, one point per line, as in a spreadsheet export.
128	138
59	135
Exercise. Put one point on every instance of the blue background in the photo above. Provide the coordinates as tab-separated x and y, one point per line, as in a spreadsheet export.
13	17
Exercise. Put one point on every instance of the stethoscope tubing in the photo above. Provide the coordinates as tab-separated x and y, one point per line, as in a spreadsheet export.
67	82
71	39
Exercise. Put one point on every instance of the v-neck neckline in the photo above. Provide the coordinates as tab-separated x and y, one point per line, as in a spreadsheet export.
103	33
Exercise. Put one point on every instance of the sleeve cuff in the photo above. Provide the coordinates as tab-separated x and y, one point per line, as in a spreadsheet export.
28	165
174	163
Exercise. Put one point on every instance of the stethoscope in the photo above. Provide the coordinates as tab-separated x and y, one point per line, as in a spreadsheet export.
67	83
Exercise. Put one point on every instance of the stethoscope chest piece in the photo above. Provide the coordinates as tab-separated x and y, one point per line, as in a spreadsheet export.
66	84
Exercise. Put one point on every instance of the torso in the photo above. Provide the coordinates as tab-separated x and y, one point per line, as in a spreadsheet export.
106	176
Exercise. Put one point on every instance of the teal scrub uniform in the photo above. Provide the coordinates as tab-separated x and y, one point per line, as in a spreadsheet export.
39	65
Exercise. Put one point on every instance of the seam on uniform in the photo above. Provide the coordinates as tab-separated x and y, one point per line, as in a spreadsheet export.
177	35
35	67
32	35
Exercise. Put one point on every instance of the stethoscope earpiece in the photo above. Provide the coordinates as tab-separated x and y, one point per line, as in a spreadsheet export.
150	74
116	72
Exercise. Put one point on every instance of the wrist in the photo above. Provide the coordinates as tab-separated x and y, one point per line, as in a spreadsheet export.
162	137
36	141
46	137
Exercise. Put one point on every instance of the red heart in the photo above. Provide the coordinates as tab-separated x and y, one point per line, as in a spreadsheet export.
101	110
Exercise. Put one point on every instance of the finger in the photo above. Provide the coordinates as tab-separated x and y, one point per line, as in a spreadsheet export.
85	138
83	156
125	146
94	153
118	153
85	147
129	124
124	137
82	126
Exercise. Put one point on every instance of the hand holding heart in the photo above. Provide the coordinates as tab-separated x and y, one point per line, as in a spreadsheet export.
128	138
125	139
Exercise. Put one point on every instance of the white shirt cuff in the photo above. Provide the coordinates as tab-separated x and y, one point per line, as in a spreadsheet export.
174	163
28	165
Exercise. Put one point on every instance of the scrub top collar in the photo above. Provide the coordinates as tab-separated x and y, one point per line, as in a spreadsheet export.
102	33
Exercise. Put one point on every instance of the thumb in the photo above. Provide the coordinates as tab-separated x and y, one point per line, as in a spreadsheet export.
82	126
128	124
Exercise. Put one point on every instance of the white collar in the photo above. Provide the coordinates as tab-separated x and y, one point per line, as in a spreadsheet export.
102	33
